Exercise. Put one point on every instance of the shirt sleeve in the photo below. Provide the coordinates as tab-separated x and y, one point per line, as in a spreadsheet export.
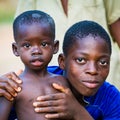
105	104
113	108
55	70
25	5
112	10
110	102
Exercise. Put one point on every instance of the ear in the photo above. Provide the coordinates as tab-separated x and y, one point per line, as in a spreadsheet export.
56	46
61	61
15	49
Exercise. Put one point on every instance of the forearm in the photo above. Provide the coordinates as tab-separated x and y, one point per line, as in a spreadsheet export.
5	108
81	113
115	31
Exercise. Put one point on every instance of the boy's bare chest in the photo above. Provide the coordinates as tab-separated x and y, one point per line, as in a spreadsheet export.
30	91
28	95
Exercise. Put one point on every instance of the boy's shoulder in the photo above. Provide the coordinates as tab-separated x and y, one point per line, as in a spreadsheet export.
58	72
59	79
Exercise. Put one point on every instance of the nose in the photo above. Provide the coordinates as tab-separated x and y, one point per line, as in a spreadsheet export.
92	68
36	50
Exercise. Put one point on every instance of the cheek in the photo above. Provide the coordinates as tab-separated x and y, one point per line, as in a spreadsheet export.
104	73
74	76
47	56
75	69
24	56
73	72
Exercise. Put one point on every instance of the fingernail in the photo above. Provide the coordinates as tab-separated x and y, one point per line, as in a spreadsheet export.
38	98
15	94
35	104
37	110
19	81
47	116
11	99
19	89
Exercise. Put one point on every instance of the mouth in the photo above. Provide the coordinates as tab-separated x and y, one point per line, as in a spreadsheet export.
91	84
37	62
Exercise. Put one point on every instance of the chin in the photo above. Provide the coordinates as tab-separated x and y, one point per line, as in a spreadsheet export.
89	93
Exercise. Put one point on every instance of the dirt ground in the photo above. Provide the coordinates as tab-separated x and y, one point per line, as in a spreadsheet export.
8	62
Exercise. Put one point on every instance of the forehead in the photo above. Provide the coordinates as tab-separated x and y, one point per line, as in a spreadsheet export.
40	28
35	25
33	31
91	44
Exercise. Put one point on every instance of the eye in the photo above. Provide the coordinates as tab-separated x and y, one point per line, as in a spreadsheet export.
80	60
104	62
26	45
44	44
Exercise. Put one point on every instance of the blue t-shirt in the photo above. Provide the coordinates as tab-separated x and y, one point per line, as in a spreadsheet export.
104	105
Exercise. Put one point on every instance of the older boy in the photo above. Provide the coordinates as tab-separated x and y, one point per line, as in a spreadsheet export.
85	61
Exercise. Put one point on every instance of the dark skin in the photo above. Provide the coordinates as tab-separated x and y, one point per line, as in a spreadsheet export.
92	61
10	85
35	45
115	31
65	6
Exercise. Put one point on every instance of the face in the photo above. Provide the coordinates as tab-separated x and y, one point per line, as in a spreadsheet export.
87	64
35	45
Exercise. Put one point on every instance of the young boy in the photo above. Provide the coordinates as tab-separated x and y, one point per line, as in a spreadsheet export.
85	61
34	34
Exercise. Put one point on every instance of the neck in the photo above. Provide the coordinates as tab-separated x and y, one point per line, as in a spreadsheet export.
78	96
37	72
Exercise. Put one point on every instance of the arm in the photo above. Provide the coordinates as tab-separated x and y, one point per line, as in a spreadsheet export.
9	88
112	8
63	104
115	31
5	108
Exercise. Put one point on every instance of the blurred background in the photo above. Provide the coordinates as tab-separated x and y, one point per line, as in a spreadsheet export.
8	62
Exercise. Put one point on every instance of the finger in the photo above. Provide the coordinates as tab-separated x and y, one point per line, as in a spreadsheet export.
6	95
14	85
51	97
14	77
14	80
5	87
55	115
19	72
60	88
48	103
46	109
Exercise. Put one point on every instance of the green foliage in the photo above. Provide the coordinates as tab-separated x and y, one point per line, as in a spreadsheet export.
7	10
6	16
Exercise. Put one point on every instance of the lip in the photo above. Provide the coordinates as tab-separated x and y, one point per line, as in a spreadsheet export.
37	62
91	84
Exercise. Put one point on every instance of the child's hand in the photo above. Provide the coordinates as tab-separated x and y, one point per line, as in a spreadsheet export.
59	105
10	85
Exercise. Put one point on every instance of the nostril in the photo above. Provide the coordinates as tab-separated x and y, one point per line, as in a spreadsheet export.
92	68
36	51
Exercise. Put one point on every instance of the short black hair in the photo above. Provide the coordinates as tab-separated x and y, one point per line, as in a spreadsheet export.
33	16
81	30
